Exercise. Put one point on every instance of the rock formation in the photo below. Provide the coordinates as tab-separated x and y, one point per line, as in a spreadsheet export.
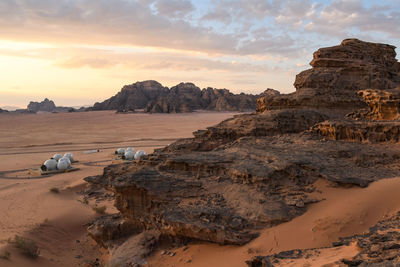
378	247
3	111
383	105
45	105
184	97
134	96
337	74
257	170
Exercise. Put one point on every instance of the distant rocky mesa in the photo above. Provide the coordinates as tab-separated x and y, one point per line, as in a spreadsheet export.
153	97
45	106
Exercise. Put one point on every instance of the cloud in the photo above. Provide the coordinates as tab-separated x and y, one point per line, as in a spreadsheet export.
174	8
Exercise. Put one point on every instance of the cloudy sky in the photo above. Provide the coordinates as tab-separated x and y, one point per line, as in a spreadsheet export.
77	52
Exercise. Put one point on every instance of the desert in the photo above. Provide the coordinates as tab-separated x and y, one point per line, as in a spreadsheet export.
56	221
307	179
199	133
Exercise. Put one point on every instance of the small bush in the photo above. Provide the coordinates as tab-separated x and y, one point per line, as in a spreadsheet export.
5	255
84	201
28	247
55	190
100	210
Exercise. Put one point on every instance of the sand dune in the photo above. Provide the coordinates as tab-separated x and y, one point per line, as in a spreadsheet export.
344	212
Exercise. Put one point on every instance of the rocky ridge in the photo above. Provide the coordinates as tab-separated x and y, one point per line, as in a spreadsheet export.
184	97
258	170
45	106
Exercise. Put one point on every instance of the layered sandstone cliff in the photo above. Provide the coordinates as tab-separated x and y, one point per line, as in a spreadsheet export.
258	170
184	97
337	74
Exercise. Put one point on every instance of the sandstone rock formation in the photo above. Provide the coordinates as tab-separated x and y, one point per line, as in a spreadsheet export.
383	105
378	247
45	105
134	96
184	97
257	170
338	73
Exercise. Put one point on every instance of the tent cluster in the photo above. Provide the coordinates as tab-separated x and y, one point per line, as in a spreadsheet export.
58	162
129	153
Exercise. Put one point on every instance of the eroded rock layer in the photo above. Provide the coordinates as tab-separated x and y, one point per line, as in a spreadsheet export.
257	170
337	73
378	247
184	97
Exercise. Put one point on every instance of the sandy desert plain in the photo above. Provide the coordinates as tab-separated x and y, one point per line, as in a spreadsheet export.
57	221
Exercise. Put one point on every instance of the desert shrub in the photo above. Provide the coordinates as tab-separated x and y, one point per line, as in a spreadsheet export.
5	255
100	210
55	190
27	246
84	201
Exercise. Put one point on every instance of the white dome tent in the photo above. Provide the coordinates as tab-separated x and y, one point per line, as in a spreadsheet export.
120	151
57	157
139	154
50	165
69	156
129	155
64	164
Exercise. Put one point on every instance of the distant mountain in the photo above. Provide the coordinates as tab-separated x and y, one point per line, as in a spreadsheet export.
45	106
10	108
3	111
153	97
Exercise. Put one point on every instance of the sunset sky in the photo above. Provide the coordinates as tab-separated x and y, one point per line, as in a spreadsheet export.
77	52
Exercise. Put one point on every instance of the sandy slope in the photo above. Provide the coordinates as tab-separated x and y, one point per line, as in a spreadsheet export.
57	222
346	211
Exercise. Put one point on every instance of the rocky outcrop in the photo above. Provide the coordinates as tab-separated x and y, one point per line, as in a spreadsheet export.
3	111
134	96
184	97
378	247
258	170
337	73
45	105
383	105
134	250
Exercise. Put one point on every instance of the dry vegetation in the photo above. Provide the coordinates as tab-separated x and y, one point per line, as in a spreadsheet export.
27	246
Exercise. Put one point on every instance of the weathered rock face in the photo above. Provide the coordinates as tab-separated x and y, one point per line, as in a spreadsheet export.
383	105
184	97
45	105
257	170
338	73
134	96
378	247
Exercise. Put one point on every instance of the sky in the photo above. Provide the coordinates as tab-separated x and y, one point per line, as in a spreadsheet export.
77	52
